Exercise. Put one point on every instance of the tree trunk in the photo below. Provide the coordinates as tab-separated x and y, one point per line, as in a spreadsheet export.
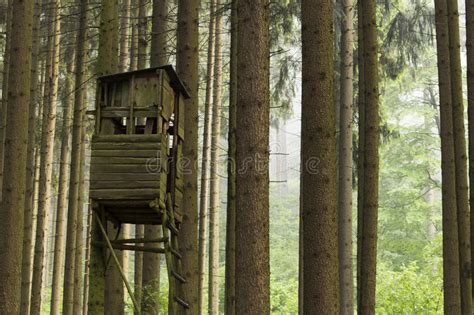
371	159
206	152
3	105
134	42
27	256
125	36
187	64
346	277
142	32
462	190
318	162
85	293
47	148
451	279
231	171
252	283
76	143
361	149
16	138
470	111
151	261
159	33
214	209
59	240
138	293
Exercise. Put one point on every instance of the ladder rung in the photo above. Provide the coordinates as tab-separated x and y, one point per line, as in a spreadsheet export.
181	302
176	253
178	276
173	228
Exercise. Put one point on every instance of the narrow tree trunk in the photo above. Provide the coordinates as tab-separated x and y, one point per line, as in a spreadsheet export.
16	138
451	281
4	103
371	159
231	171
252	225
27	257
47	148
462	190
187	65
76	143
470	111
125	36
361	148
206	152
346	279
139	233
214	209
318	162
59	240
134	43
85	293
159	33
151	261
142	32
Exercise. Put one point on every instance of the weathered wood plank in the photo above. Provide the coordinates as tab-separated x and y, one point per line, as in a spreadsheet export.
128	138
125	146
124	176
125	153
124	193
155	161
123	168
99	184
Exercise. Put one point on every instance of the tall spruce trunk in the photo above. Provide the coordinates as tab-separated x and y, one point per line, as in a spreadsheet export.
371	159
139	233
346	276
125	36
252	137
318	162
206	152
451	269
214	207
4	100
152	261
187	65
59	239
27	255
470	112
361	149
462	189
16	138
76	143
47	156
142	32
229	302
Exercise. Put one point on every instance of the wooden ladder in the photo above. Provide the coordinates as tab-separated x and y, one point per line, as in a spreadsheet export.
176	280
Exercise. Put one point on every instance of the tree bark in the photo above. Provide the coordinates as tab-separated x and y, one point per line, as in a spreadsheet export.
470	112
16	138
252	137
47	149
142	32
371	159
206	152
346	277
214	209
231	171
139	233
187	64
462	189
125	36
76	143
27	256
318	162
59	240
451	279
159	32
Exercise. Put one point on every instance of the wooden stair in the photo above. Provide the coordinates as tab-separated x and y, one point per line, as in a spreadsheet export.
176	302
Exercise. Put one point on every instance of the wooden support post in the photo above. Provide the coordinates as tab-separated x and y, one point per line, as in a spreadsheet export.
117	262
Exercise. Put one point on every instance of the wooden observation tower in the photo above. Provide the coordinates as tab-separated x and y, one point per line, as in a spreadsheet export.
136	165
